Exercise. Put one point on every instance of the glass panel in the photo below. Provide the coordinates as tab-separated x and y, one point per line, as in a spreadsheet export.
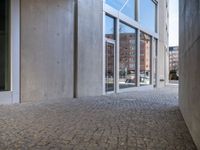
117	4
110	71
125	6
145	59
148	14
129	9
110	27
4	45
127	66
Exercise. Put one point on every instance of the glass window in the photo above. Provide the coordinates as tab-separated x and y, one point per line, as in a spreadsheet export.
110	27
127	7
148	15
127	66
110	67
109	54
117	4
145	59
4	45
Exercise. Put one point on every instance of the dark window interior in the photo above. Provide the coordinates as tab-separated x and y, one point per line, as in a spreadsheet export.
4	45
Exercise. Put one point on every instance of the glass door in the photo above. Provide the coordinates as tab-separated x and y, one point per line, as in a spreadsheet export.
4	46
110	66
9	51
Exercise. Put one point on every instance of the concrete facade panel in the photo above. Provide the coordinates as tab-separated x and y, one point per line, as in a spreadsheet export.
189	95
162	67
46	49
90	48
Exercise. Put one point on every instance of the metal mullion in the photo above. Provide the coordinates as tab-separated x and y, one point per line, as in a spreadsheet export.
138	58
152	61
104	54
137	5
117	52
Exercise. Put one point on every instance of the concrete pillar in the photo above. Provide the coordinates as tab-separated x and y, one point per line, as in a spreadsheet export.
90	48
189	58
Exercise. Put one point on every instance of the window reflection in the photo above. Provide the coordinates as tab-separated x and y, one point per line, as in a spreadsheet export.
110	27
127	7
110	67
4	50
109	54
148	14
145	59
127	67
117	4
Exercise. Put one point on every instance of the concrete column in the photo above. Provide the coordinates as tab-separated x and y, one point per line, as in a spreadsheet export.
189	59
90	48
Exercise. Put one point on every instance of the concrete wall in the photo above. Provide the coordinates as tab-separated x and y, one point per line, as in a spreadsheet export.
90	48
162	68
189	95
46	49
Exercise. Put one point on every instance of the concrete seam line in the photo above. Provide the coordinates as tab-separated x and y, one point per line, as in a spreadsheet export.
75	82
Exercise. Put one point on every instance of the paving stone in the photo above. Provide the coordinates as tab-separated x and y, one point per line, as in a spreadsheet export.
142	120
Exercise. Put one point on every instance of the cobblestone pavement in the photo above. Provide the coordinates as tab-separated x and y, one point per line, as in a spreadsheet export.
142	120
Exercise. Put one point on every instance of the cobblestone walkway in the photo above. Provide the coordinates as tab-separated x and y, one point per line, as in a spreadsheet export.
144	120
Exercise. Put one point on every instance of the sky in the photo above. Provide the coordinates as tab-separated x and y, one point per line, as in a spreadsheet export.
173	23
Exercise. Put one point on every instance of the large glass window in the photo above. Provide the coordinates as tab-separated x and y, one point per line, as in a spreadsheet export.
110	27
4	45
117	4
127	7
110	66
127	66
148	9
145	59
109	54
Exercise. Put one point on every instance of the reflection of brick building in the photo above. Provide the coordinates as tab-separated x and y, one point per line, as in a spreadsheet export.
128	51
145	52
110	59
173	58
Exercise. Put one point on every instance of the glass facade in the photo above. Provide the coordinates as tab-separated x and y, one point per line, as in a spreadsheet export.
145	59
117	4
109	54
127	7
110	27
4	46
148	10
110	67
127	63
134	63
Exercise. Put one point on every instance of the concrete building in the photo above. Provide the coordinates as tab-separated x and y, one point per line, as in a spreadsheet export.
58	49
189	73
173	58
163	49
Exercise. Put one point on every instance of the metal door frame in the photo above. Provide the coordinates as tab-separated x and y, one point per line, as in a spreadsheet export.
13	96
